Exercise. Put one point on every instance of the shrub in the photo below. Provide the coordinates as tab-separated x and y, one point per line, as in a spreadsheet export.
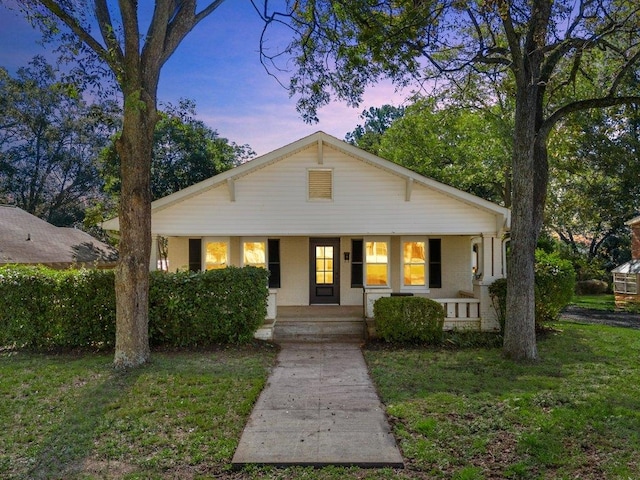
591	287
555	281
201	308
409	319
554	286
42	308
498	294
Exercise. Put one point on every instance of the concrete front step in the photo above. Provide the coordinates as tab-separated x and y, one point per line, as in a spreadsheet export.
319	330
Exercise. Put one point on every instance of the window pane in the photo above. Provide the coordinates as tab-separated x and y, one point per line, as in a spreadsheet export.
255	254
414	252
376	252
216	255
414	275
376	274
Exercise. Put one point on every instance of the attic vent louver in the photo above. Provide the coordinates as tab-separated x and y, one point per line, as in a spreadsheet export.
321	184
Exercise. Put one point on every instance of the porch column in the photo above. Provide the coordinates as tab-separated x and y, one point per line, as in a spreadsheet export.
153	261
490	269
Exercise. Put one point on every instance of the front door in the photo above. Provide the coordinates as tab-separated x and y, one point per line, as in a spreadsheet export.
324	271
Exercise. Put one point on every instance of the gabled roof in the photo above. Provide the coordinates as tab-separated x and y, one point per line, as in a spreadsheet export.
27	239
632	266
320	138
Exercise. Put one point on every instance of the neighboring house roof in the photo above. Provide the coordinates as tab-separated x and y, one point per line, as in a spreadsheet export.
321	139
632	266
27	239
633	221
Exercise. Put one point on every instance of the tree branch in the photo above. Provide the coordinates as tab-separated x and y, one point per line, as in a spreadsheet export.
77	29
108	33
580	105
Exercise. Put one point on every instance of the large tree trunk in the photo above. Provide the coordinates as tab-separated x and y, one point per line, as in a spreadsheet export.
519	334
132	275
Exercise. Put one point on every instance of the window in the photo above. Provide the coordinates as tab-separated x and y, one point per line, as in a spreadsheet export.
357	263
414	264
216	255
320	184
255	254
377	263
273	252
626	283
324	265
435	263
195	254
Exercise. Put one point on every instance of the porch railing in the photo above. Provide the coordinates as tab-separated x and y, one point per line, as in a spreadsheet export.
460	313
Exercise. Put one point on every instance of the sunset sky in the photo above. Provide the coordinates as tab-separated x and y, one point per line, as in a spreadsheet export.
218	66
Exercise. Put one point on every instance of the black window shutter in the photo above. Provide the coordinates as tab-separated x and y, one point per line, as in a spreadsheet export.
195	254
273	249
357	264
435	263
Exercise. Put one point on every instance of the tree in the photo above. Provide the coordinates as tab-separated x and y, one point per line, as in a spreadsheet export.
546	49
376	121
49	142
103	33
594	183
462	147
185	152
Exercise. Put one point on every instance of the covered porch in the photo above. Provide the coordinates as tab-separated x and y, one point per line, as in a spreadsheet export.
352	323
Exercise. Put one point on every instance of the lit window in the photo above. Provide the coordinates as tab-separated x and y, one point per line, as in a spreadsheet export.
216	255
377	262
255	254
414	264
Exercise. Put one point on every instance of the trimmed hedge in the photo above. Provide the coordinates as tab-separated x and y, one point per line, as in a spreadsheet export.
555	281
203	308
43	309
409	319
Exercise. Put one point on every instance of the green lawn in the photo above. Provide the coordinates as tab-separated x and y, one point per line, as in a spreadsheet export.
473	415
595	302
75	417
465	414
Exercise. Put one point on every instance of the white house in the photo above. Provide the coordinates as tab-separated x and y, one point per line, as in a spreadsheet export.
336	225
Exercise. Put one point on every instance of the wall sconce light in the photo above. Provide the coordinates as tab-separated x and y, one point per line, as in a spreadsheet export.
346	256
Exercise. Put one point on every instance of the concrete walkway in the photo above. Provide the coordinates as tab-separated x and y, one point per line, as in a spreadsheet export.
319	408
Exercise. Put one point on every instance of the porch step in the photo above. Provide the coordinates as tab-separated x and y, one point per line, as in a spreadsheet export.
319	330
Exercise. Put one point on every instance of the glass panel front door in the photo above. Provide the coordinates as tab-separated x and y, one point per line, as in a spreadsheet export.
324	271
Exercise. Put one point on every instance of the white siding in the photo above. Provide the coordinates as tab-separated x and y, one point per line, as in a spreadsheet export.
273	201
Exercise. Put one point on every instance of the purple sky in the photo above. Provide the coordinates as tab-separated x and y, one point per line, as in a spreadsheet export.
218	66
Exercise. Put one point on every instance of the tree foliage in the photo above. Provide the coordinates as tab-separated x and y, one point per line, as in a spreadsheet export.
461	147
185	152
376	121
594	185
49	142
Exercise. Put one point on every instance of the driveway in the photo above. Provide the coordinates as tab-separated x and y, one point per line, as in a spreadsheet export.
614	319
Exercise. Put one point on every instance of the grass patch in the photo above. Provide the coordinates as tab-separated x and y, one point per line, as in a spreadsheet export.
605	303
472	414
75	417
457	414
